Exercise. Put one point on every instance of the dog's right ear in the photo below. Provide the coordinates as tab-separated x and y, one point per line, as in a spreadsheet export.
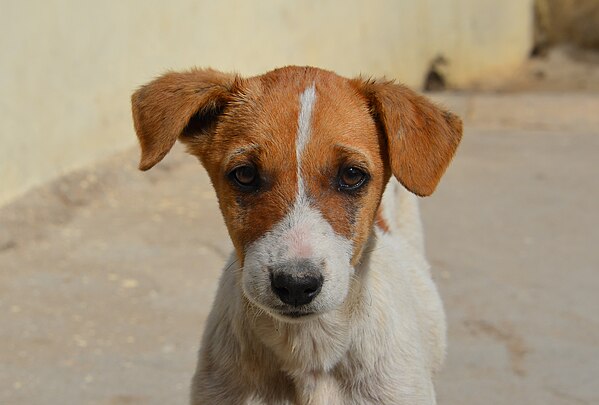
178	104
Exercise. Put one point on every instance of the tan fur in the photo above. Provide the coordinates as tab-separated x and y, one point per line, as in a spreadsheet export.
383	344
162	109
381	222
422	137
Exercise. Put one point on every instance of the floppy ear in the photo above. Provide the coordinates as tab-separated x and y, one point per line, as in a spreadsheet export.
178	104
421	137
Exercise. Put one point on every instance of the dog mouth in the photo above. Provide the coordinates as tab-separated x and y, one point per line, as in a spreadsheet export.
295	314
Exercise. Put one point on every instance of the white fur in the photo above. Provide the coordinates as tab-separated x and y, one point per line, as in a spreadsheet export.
304	120
401	207
381	345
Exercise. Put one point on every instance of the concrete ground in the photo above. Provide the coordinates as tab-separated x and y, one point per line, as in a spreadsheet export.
107	275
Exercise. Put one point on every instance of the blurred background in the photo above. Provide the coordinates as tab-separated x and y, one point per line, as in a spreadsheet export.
107	274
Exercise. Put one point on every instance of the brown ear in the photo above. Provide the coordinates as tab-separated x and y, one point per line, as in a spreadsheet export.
421	137
178	104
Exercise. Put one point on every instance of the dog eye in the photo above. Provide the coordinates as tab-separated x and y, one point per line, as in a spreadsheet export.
245	176
351	178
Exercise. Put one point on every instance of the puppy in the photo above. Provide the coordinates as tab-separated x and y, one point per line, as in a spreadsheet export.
327	298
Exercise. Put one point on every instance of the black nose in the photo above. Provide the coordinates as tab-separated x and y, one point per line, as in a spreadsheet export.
297	284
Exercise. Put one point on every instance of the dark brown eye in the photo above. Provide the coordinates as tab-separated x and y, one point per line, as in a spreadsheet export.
351	178
245	176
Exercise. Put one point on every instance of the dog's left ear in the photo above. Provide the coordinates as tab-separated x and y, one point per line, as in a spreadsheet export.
421	137
176	105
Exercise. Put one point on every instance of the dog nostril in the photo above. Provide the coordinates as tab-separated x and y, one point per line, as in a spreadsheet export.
313	286
281	291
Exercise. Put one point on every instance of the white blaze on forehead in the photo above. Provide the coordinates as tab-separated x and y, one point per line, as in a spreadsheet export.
304	121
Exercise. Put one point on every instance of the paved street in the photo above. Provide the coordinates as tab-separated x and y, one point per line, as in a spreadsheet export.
107	275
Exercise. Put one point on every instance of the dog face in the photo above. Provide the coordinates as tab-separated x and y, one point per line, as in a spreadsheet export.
299	158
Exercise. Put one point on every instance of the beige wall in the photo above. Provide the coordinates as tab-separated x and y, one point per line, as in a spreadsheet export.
68	67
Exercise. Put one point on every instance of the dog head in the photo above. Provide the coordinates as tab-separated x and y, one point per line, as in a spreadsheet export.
299	158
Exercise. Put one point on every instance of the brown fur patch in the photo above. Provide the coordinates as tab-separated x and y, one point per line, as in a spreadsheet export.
381	222
163	108
266	116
